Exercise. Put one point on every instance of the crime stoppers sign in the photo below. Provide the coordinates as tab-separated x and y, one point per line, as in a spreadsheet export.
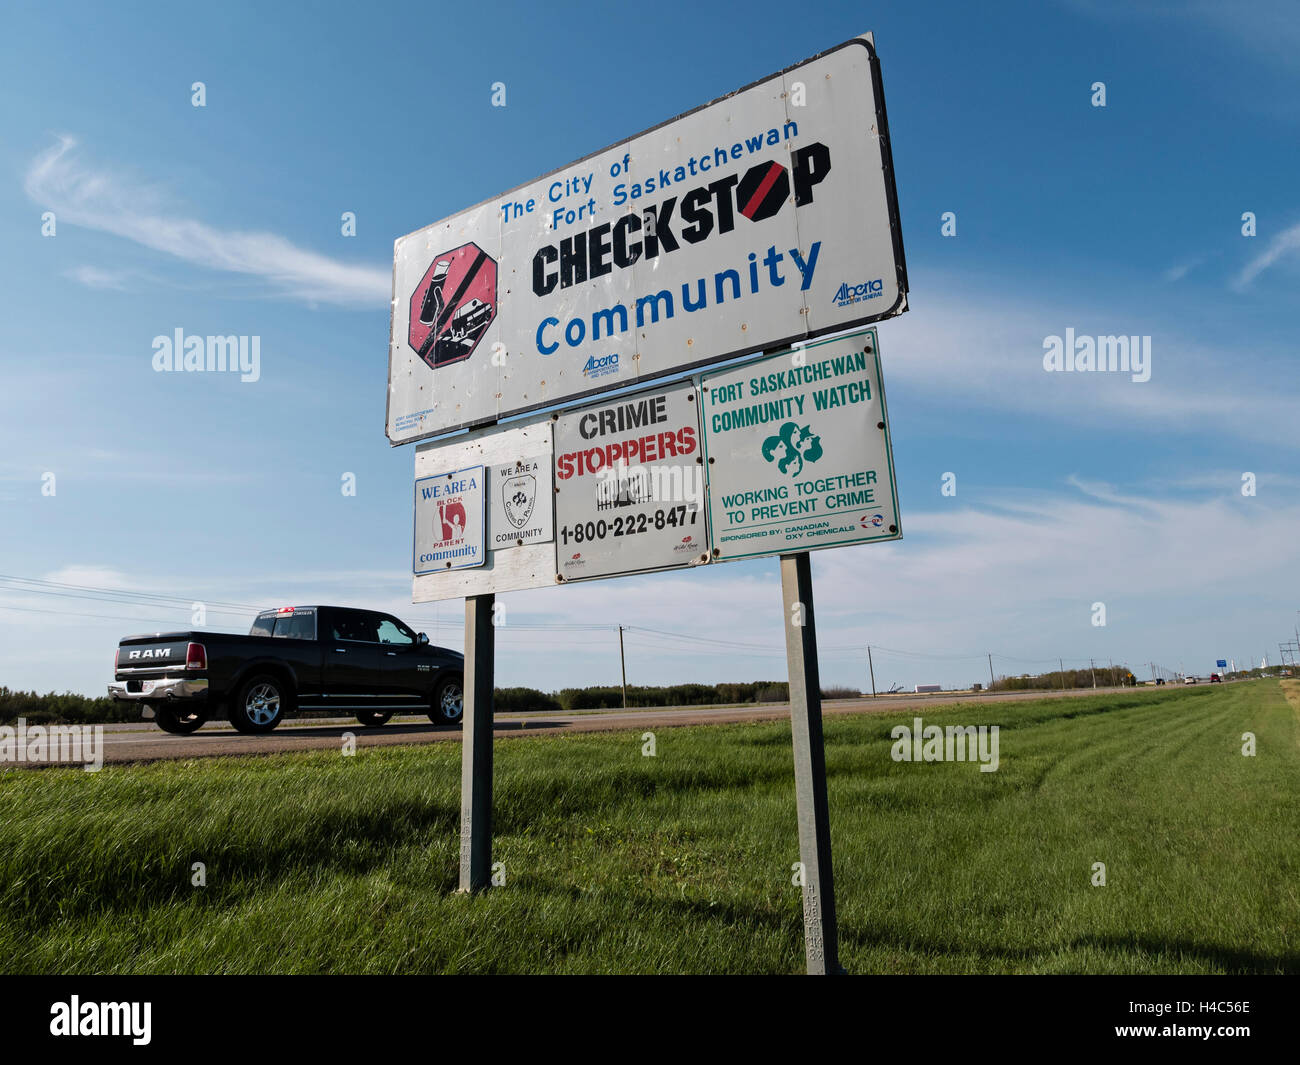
449	521
798	451
630	486
764	218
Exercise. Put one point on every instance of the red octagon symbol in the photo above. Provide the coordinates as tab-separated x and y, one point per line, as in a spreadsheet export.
453	305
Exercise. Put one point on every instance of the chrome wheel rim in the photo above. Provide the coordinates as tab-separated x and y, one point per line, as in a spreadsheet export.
262	705
453	702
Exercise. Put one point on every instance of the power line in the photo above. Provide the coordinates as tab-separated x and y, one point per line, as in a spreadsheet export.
39	586
76	614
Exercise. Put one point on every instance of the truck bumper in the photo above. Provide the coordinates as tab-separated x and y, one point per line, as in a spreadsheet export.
162	688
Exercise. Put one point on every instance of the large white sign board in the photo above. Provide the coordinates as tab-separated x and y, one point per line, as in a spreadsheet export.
798	451
766	217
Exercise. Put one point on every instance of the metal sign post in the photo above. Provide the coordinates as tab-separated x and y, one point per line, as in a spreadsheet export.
476	751
821	935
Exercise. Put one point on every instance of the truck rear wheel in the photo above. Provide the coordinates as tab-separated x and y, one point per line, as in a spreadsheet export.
260	704
448	701
178	720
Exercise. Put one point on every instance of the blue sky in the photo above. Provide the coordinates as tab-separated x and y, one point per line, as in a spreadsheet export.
1071	489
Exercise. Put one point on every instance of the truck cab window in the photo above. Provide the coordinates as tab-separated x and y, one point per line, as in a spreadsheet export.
355	626
298	627
391	632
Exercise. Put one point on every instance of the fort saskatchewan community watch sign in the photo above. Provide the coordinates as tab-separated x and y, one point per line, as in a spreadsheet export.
764	218
798	451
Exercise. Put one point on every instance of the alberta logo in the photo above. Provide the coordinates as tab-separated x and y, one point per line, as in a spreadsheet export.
847	295
599	367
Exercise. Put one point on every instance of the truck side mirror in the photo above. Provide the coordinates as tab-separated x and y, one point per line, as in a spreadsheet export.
421	639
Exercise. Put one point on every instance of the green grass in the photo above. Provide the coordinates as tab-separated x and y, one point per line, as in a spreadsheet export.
620	863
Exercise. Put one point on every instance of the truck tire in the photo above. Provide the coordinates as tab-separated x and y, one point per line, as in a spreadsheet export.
178	720
448	701
259	704
374	718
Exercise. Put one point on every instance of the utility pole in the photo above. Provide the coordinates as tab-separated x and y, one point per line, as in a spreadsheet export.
1110	681
1093	666
1062	661
990	672
871	666
622	661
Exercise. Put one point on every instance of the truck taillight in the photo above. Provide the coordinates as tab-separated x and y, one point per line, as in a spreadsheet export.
196	657
117	657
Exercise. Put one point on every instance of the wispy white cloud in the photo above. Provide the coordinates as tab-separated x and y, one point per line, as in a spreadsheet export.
99	278
982	350
1267	28
100	199
1180	270
1285	243
107	577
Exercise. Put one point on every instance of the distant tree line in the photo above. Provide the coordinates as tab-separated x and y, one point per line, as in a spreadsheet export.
611	696
62	709
1107	677
67	708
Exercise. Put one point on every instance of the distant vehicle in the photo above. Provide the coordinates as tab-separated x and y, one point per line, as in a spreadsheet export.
927	688
1189	680
1160	680
1215	679
296	658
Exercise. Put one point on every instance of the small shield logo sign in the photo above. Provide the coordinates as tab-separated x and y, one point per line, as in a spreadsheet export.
519	494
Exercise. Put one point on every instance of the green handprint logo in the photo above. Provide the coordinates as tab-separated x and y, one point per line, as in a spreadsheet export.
792	447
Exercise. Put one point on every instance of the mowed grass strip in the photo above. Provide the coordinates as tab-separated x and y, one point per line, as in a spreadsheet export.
616	862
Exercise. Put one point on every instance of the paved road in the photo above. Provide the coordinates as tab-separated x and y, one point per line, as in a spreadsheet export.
146	742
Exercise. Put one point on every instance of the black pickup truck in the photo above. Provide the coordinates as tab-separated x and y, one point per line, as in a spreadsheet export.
295	658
